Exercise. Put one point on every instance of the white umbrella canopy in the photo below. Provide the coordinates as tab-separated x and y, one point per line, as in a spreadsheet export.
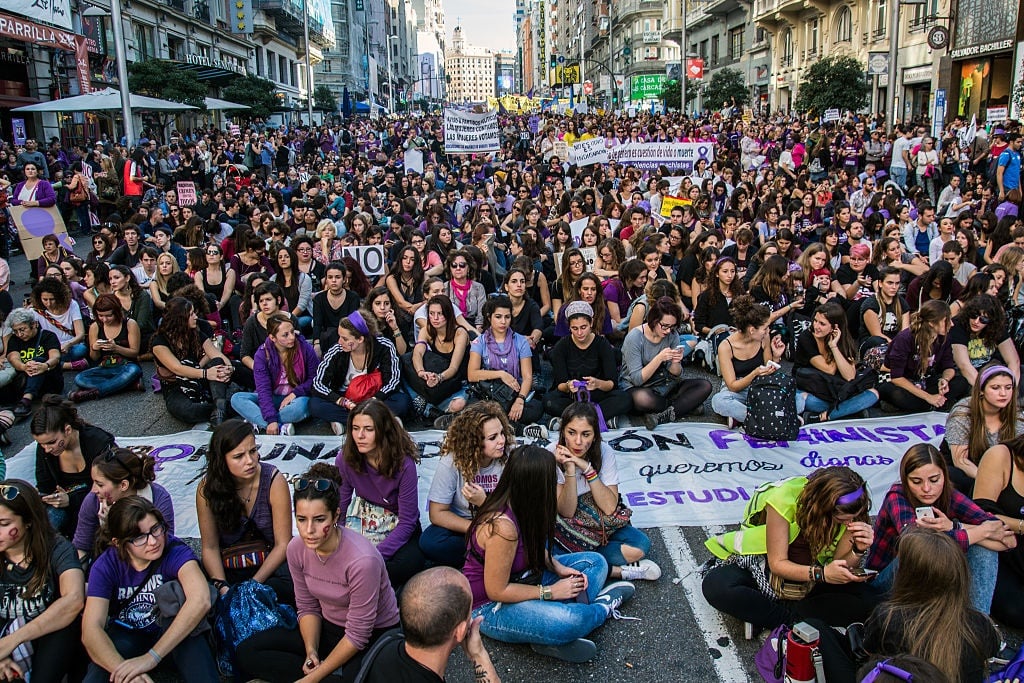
100	100
213	103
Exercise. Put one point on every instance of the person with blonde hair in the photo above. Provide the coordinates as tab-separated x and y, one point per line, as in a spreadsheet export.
473	454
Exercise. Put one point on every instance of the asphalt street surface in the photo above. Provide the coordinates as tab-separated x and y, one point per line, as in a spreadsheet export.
678	638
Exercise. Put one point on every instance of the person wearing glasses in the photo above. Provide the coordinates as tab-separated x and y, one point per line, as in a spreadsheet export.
43	590
118	473
217	281
467	295
123	630
344	600
979	335
241	500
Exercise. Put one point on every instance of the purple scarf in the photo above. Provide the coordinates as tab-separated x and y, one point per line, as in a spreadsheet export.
502	356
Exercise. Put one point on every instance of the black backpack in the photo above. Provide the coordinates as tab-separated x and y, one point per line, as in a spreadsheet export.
771	408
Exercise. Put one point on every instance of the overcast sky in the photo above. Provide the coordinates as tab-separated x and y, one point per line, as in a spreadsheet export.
485	23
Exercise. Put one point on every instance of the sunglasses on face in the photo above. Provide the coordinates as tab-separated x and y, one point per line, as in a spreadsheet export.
320	485
459	265
982	318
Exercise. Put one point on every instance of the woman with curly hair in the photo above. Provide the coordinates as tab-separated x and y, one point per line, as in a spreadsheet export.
610	257
808	531
59	313
979	334
193	372
378	472
473	455
240	500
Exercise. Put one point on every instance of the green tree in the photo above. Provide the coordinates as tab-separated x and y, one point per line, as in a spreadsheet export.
724	86
670	95
324	99
833	83
162	79
259	94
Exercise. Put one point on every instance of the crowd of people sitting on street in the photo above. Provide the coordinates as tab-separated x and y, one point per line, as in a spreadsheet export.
319	279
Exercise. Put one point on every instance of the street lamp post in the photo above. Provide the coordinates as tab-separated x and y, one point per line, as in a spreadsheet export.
682	62
122	64
391	77
309	68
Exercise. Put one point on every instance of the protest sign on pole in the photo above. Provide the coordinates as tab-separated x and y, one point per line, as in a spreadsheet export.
680	474
186	191
470	132
370	258
36	222
592	151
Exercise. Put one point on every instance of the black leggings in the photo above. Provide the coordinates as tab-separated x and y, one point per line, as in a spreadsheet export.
733	590
59	654
1007	606
406	562
685	397
277	655
613	403
909	403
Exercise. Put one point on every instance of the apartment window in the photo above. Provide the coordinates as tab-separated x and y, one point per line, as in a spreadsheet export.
880	18
714	49
844	25
175	48
326	68
270	64
736	43
144	42
812	35
259	62
282	69
787	48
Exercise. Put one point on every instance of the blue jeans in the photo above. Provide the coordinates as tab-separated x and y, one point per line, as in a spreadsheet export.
109	380
75	352
730	404
247	405
547	622
899	176
192	657
443	546
850	406
612	550
984	565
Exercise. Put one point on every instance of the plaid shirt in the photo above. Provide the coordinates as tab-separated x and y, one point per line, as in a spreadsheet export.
897	513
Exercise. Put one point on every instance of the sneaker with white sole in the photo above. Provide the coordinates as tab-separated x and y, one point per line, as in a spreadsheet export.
287	429
536	432
643	570
444	421
338	429
555	424
612	422
652	420
578	651
613	596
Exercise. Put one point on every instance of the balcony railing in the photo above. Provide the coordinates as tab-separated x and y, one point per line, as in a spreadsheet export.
786	61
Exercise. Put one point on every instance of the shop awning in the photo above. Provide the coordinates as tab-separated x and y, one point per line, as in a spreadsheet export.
206	72
99	100
10	101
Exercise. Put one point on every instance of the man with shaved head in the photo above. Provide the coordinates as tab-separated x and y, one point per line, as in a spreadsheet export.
436	613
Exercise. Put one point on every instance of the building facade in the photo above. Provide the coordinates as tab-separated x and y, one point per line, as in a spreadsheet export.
469	70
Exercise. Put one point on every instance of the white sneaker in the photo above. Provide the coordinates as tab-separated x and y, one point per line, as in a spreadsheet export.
338	429
644	570
536	432
287	429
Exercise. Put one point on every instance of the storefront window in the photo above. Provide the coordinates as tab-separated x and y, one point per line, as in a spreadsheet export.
984	83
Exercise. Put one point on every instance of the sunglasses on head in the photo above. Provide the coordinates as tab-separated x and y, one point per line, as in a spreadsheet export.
320	485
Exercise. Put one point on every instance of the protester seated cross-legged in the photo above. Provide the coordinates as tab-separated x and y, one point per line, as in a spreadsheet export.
194	373
924	483
588	492
501	368
59	313
114	345
34	353
378	488
990	415
43	589
831	384
473	454
240	502
794	559
435	369
436	615
118	473
651	368
525	594
344	599
583	363
360	366
920	365
66	447
750	352
283	368
123	628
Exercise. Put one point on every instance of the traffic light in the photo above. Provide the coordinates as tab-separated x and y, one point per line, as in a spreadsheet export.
553	62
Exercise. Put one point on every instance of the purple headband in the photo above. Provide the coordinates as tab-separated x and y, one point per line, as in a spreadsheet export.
851	497
994	370
356	318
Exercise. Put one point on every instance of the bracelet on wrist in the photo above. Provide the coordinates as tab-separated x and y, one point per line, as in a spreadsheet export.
590	475
152	653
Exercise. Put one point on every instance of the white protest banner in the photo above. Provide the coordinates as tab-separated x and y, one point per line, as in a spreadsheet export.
186	191
592	151
469	132
370	258
56	12
589	258
414	161
36	222
681	474
576	228
674	156
830	115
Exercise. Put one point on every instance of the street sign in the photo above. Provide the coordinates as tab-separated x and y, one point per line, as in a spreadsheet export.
561	59
646	87
878	63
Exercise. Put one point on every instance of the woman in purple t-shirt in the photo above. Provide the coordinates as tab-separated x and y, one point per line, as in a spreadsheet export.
122	628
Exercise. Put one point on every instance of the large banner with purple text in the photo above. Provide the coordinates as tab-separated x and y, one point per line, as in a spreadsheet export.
682	474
